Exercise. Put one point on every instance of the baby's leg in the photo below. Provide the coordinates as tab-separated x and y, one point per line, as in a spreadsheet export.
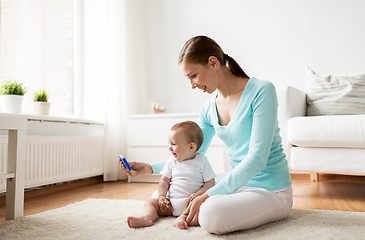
180	222
149	215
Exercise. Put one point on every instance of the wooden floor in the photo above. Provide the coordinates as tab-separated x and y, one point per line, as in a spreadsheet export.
332	192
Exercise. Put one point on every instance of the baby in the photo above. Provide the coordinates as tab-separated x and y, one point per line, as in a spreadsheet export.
185	176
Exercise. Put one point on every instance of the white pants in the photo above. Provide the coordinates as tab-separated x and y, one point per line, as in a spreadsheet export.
245	209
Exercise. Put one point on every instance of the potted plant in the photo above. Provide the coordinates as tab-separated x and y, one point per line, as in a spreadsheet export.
41	104
12	93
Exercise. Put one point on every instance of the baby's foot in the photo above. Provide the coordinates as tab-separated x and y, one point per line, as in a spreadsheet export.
134	222
180	223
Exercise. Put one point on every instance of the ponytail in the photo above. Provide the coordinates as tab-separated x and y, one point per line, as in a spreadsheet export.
197	50
234	67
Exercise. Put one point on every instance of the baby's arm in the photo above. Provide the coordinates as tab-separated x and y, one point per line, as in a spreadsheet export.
163	186
202	190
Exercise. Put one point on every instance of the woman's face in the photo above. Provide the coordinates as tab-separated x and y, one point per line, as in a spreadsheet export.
200	76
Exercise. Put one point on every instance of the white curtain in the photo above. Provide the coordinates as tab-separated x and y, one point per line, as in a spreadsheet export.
116	92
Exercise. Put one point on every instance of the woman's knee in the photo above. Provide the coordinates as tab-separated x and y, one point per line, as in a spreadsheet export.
210	215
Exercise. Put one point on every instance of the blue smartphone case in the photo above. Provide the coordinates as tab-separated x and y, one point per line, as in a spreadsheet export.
125	162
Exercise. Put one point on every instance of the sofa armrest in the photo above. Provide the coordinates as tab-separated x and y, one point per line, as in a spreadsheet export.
296	103
292	103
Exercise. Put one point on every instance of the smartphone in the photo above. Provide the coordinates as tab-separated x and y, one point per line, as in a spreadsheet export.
125	162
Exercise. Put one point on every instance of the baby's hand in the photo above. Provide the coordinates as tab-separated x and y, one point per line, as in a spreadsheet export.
163	203
192	196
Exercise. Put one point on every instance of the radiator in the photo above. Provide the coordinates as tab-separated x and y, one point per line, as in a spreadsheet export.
57	159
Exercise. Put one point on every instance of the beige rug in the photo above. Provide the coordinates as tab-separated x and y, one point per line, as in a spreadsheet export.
105	219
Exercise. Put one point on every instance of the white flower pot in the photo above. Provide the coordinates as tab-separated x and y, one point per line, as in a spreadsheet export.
41	108
11	103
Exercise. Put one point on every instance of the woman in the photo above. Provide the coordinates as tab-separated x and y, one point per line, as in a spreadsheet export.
243	113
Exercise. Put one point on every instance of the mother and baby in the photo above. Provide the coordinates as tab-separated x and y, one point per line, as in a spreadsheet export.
243	113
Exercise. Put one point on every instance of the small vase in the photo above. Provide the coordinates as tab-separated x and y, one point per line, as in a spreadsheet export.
11	103
41	108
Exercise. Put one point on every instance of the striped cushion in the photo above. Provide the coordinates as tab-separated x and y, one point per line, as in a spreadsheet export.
335	94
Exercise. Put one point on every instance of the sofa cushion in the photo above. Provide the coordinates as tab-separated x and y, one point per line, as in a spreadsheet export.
327	131
335	94
328	160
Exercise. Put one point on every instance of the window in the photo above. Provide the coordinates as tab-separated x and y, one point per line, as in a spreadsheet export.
36	48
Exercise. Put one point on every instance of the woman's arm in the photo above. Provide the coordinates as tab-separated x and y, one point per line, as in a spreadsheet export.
142	168
157	167
138	169
207	128
192	211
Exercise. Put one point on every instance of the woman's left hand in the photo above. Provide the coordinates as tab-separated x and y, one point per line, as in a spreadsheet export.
192	211
192	197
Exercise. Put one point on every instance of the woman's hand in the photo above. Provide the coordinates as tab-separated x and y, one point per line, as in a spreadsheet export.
138	169
192	197
193	209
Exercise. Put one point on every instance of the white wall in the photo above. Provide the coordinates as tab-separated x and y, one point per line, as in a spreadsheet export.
273	40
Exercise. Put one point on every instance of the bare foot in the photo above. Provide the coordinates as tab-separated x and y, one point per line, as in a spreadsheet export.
180	223
134	222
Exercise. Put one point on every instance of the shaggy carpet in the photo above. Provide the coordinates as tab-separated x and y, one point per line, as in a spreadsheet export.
106	219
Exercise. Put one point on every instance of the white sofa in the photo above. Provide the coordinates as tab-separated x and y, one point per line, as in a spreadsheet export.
320	144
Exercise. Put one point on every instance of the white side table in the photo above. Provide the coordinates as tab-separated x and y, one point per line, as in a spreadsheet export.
16	127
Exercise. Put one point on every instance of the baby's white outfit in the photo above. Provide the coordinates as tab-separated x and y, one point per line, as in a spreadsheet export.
187	177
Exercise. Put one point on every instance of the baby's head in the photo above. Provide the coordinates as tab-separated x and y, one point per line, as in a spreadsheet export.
185	139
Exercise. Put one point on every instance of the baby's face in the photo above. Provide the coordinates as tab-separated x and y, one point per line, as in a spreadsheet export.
179	147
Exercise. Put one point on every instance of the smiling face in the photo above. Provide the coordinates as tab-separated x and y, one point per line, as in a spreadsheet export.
179	146
201	76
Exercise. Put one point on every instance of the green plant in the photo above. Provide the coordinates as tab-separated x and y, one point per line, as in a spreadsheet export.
12	88
41	96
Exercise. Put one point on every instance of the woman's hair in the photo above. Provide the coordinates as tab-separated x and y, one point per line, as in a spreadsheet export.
192	132
197	50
